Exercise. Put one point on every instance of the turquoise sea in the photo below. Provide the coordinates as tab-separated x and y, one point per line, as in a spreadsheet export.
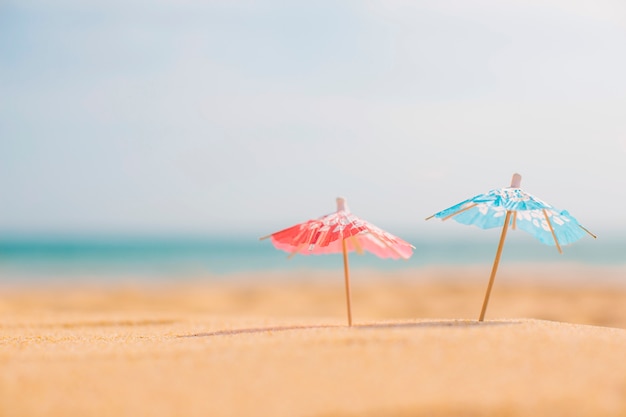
176	258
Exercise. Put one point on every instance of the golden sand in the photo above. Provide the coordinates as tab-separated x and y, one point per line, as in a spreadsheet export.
273	345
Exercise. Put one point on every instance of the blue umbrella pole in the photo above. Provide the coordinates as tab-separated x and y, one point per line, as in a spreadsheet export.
346	273
496	262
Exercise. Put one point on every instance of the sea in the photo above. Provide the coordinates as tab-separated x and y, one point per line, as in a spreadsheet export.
175	258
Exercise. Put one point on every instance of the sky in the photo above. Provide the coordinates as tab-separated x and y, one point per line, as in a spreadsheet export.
220	117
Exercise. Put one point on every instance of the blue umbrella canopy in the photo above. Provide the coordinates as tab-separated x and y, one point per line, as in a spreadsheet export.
545	222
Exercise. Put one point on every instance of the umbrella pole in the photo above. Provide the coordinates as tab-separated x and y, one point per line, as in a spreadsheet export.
496	261
346	273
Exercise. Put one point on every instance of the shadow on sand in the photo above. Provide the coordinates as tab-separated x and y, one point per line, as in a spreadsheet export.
357	327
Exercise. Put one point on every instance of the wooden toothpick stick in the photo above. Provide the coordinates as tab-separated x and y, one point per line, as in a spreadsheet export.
494	269
346	273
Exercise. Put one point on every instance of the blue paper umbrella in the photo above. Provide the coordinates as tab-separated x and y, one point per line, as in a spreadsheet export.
516	208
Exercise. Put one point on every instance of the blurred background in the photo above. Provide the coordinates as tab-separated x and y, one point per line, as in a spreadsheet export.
163	138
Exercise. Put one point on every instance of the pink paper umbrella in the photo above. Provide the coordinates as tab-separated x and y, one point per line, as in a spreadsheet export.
340	232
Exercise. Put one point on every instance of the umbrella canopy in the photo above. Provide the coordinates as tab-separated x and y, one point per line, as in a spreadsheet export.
326	234
340	232
516	208
546	223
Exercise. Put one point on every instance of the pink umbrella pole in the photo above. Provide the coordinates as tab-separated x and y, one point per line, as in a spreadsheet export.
346	272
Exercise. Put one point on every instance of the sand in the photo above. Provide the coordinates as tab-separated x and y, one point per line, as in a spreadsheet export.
553	344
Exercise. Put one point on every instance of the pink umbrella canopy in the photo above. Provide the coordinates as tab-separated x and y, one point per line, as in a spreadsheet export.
326	235
340	232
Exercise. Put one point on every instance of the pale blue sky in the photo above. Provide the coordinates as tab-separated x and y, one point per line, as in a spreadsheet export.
173	116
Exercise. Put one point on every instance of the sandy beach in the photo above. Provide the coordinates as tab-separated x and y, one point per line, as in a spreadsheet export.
552	344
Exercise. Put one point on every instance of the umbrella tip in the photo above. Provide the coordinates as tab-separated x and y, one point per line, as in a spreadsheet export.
516	181
341	204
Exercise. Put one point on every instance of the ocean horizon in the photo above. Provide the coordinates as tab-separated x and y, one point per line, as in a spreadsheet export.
112	258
